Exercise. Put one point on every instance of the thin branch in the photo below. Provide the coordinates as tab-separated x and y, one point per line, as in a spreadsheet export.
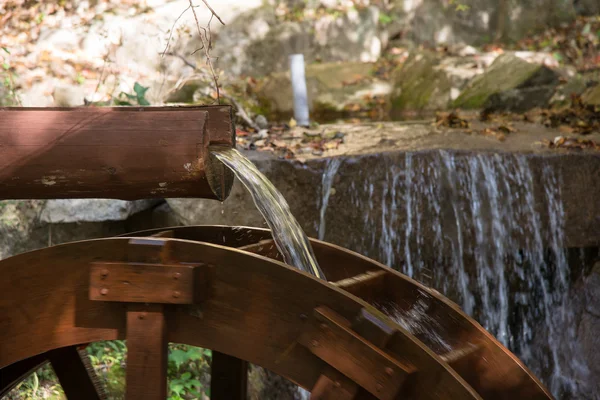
242	113
213	11
182	58
206	48
171	31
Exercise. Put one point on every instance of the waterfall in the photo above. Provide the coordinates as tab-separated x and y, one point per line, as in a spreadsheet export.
327	180
486	231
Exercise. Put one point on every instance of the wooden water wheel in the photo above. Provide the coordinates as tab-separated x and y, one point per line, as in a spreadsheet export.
226	289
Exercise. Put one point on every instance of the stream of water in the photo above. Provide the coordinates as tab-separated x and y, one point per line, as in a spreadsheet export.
291	241
467	225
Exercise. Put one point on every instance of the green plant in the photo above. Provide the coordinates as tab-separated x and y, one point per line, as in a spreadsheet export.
139	97
385	19
459	5
7	80
186	364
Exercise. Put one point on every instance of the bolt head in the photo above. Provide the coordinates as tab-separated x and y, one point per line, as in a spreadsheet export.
104	291
176	294
104	273
314	343
389	371
379	387
177	275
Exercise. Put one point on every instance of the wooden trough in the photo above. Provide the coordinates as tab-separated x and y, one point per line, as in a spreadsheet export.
217	287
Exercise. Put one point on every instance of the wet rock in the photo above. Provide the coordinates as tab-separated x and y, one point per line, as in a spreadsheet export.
589	326
420	85
331	87
510	84
91	210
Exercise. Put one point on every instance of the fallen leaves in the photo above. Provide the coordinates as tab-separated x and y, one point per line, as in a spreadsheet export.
562	142
451	120
577	118
291	141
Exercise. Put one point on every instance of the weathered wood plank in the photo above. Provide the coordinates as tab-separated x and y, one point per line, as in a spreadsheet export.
228	377
330	338
144	283
120	152
146	352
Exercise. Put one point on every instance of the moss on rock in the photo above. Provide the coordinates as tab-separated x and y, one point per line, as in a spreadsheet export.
419	85
508	72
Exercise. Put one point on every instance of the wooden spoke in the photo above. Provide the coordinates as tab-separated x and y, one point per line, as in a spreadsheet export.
147	352
369	285
256	309
75	374
228	377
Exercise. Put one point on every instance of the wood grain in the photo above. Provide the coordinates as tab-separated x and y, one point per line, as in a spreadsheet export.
147	353
256	313
493	371
123	153
330	338
144	283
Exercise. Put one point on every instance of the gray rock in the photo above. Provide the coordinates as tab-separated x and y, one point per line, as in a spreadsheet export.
331	87
262	122
21	228
352	36
69	95
440	22
91	210
420	85
510	79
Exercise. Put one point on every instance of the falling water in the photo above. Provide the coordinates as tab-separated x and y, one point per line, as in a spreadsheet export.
327	180
289	237
486	230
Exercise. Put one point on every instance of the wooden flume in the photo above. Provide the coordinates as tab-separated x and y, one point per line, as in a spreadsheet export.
217	287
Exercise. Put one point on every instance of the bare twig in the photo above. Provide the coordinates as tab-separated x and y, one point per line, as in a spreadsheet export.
240	110
213	12
242	113
206	45
182	58
171	31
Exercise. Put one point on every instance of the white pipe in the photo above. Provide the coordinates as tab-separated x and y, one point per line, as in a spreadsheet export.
299	88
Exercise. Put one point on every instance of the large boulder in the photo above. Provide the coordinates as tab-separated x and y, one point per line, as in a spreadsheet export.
475	22
511	83
420	85
331	87
258	44
91	210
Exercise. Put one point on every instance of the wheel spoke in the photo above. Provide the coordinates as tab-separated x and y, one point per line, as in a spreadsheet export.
76	375
229	377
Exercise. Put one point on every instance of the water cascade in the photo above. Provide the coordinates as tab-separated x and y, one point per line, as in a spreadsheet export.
471	226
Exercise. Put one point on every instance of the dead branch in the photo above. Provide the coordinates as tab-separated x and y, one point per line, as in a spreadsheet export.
240	111
213	12
207	45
